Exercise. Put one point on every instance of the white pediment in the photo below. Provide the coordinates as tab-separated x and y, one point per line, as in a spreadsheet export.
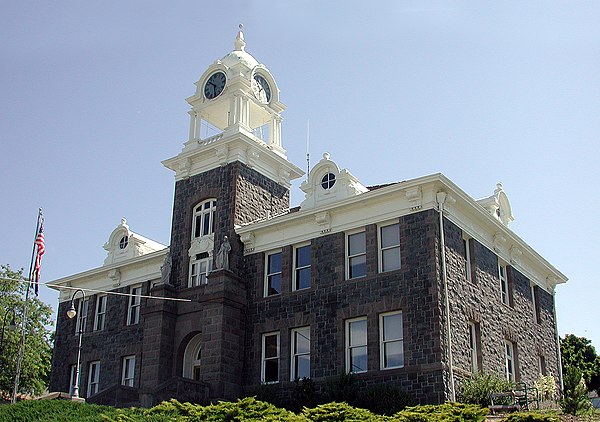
327	184
498	205
123	244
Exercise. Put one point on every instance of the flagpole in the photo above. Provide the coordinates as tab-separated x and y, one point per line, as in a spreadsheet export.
24	319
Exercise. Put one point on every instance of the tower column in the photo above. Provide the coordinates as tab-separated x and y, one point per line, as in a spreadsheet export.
193	124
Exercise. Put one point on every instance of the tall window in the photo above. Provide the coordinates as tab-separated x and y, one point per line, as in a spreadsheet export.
391	340
300	353
273	274
72	378
357	255
356	345
200	266
467	246
135	301
93	378
541	365
270	358
474	344
203	223
510	360
302	273
100	315
389	244
504	292
82	315
192	358
128	373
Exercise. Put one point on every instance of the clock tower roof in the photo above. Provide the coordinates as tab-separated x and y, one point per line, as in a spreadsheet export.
239	54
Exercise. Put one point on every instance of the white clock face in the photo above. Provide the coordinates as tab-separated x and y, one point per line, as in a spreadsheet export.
261	89
214	85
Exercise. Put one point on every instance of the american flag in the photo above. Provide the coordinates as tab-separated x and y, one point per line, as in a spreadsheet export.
40	244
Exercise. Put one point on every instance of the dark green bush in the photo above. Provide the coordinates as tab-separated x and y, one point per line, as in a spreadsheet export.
335	412
53	410
383	399
477	390
341	388
531	417
575	400
447	412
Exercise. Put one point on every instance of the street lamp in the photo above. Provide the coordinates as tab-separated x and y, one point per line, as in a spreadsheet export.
71	313
11	326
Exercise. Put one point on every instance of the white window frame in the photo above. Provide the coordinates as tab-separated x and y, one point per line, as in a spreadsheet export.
72	378
135	304
383	249
128	371
383	341
298	269
468	263
269	275
93	378
100	314
473	346
353	256
264	358
82	315
202	211
510	360
504	286
198	277
349	347
296	355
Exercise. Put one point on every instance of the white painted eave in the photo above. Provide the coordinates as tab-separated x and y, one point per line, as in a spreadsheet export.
394	201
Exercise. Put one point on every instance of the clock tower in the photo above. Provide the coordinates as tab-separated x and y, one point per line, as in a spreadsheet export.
232	171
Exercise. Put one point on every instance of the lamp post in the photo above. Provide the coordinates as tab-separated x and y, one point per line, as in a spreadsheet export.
71	314
11	326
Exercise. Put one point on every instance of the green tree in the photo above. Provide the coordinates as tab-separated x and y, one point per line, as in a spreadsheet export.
579	353
37	356
575	400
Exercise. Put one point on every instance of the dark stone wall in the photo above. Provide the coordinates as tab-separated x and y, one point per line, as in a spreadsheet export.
108	346
243	195
479	300
332	299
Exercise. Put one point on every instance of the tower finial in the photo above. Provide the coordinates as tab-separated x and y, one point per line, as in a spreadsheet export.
239	39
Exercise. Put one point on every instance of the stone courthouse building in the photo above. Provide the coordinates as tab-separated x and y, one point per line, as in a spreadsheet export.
415	284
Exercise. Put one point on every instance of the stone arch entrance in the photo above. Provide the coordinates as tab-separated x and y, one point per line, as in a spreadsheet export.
192	357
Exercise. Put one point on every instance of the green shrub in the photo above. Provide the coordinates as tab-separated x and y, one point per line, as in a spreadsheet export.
575	400
447	412
546	386
335	412
341	388
54	410
383	399
531	417
303	395
477	390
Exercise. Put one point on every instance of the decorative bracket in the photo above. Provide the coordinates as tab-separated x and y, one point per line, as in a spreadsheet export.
115	276
499	241
414	197
323	219
515	254
248	240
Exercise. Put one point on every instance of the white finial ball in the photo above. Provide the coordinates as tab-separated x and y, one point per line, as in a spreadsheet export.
123	221
241	26
326	156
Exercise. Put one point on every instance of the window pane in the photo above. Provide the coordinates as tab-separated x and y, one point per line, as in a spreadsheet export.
272	370
275	284
274	263
358	359
271	347
302	340
303	278
390	259
356	243
358	333
302	368
358	266
392	327
206	224
393	354
390	235
303	256
197	226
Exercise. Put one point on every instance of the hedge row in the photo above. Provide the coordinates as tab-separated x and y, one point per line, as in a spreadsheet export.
247	409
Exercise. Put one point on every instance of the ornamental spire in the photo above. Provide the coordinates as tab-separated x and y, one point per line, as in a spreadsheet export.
239	44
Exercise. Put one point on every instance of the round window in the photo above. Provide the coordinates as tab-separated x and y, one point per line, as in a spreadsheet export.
328	181
123	242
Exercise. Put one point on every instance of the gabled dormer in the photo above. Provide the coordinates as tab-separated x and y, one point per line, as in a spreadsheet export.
327	184
123	244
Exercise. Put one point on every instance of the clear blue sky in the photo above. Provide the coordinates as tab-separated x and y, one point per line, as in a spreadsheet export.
92	99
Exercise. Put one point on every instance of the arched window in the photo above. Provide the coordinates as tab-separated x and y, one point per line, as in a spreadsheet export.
203	222
192	358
